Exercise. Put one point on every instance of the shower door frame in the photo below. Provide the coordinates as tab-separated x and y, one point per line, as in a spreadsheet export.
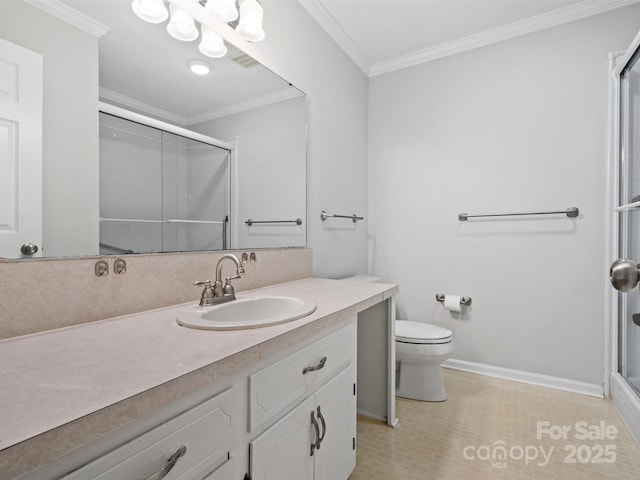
625	398
231	146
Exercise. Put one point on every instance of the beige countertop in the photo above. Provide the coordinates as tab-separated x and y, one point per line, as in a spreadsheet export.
64	388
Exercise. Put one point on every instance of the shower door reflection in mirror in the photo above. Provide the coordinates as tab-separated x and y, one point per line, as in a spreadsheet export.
160	192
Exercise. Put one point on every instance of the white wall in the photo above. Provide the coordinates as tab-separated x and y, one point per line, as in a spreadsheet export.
516	126
271	168
297	49
70	140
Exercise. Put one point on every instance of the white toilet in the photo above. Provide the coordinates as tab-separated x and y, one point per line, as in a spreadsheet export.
420	350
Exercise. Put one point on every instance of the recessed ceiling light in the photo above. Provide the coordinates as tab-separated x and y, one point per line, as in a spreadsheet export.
199	68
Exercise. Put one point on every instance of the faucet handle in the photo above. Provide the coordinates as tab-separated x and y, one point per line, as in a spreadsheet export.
207	293
228	288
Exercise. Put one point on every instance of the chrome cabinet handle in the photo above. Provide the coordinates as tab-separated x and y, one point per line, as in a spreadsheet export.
315	445
324	427
164	471
316	367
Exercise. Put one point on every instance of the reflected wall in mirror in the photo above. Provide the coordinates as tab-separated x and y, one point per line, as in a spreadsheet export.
145	71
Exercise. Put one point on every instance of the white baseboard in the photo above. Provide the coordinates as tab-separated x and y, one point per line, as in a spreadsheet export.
627	403
557	383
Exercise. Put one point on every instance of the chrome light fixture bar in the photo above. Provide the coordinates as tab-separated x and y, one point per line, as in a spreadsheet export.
247	14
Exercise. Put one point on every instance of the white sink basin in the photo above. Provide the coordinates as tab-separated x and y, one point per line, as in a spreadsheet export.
246	312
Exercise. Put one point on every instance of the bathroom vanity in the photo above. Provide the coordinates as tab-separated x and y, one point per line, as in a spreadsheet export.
140	396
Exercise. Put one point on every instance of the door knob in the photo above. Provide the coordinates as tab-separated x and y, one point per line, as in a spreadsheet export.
29	249
624	275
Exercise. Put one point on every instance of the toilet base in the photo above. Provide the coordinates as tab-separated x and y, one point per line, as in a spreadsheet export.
419	381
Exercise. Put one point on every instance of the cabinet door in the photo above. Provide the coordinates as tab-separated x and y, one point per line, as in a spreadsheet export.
336	458
283	451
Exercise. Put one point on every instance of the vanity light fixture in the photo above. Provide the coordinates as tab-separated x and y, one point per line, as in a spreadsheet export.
182	26
199	68
250	25
152	11
225	10
211	44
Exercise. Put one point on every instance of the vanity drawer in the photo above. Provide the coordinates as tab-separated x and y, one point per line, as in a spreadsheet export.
281	383
206	433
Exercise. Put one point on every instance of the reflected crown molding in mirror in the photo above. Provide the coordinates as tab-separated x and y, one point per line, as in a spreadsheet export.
114	97
66	13
262	101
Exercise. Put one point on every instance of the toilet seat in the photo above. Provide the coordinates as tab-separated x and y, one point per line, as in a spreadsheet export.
421	333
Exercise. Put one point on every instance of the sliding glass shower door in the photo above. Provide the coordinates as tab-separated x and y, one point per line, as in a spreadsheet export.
160	192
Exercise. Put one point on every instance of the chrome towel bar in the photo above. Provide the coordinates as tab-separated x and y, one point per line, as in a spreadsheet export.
569	212
324	215
297	221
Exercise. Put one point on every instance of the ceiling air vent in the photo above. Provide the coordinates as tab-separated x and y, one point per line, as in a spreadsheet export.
244	60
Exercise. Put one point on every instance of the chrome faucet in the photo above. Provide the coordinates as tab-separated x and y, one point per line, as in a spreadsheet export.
219	293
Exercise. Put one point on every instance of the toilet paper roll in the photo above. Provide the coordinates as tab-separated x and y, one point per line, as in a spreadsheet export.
452	303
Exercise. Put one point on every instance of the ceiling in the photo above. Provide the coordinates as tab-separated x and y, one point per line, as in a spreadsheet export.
380	36
385	35
142	68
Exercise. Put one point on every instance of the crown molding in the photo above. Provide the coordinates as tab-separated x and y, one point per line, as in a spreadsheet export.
570	13
239	107
137	105
114	97
550	19
326	21
67	14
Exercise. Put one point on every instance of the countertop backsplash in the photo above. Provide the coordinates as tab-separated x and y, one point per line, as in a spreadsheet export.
39	295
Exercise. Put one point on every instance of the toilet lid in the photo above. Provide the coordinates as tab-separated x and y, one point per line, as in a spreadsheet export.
419	332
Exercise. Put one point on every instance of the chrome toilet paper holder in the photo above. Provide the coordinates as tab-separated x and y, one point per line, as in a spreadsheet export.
463	300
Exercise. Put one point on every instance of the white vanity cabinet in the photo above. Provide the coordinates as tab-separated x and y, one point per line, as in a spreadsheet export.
289	416
316	439
195	445
241	402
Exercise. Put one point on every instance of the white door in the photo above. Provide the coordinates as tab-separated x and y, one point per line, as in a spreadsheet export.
336	406
20	151
283	452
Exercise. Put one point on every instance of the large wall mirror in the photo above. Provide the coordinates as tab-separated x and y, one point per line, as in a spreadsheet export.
186	162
